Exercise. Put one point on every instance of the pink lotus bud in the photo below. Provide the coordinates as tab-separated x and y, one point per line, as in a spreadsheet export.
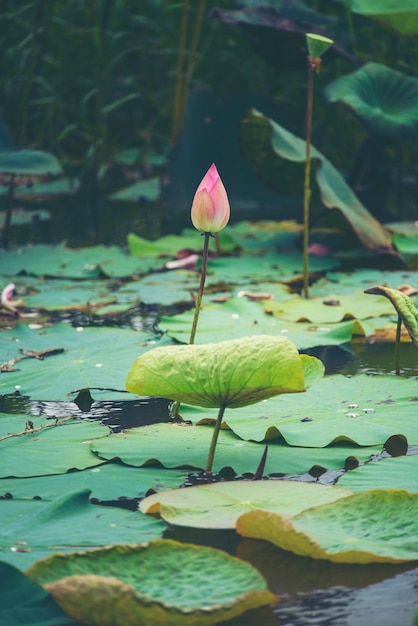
210	208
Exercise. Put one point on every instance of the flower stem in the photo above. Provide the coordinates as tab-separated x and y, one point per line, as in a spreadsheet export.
201	287
307	183
214	441
176	406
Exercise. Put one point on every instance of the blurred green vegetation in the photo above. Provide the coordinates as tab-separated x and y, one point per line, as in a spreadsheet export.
106	87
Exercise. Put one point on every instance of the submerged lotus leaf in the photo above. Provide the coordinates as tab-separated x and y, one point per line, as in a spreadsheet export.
163	583
386	100
230	373
375	526
404	307
218	505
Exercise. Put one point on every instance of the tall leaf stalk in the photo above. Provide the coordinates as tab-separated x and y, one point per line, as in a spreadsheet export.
317	45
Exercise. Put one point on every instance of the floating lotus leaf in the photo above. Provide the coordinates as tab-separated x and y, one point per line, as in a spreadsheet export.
404	307
143	190
34	529
230	373
390	473
163	583
28	162
86	360
401	16
261	136
386	100
331	309
363	409
25	603
175	446
374	526
219	505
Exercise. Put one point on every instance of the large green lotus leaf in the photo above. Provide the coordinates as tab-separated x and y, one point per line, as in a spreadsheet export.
406	244
373	526
63	262
53	450
220	504
401	16
177	446
333	308
363	409
230	373
29	162
384	99
284	268
33	529
170	245
391	473
346	282
25	603
164	583
275	142
239	317
404	306
92	357
106	482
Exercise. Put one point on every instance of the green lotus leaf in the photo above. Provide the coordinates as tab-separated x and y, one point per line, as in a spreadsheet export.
363	409
170	245
35	529
386	100
317	44
219	505
230	373
84	361
28	162
404	307
390	473
163	583
24	602
375	526
262	136
63	262
401	16
334	308
174	446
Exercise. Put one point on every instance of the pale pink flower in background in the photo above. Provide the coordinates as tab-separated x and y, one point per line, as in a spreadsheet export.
210	209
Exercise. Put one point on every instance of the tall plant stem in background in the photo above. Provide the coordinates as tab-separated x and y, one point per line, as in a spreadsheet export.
307	181
214	441
9	208
398	346
201	287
